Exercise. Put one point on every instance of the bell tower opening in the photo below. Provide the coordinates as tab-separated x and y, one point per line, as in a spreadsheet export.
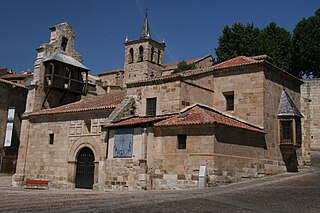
142	56
64	43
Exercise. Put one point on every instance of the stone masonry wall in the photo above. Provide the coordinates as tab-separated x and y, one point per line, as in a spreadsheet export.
38	159
11	96
167	94
179	168
230	155
310	107
129	173
197	89
204	63
142	70
275	83
310	90
241	154
247	85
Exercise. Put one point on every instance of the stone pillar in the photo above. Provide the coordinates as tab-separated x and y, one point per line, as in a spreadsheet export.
19	176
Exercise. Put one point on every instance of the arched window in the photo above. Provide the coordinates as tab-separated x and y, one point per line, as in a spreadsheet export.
140	54
131	56
152	53
159	54
64	43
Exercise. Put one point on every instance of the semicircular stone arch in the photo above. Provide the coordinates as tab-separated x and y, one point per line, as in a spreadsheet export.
82	142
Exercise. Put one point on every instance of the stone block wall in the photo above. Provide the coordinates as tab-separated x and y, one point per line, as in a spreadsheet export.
11	95
199	89
247	85
241	154
179	168
56	162
42	160
167	94
310	101
125	174
204	63
229	154
275	82
112	79
148	68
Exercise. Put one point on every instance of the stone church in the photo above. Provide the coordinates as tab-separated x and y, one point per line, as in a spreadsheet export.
154	128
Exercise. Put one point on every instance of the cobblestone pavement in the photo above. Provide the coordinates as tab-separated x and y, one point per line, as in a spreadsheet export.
290	192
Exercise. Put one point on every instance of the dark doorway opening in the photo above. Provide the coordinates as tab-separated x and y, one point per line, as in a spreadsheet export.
85	169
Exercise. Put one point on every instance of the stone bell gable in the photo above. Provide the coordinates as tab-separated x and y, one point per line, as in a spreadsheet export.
59	75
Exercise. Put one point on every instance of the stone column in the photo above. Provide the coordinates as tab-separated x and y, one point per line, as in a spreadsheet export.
19	176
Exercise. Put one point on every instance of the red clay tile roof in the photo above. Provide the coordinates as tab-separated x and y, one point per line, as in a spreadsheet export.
200	114
105	101
173	65
111	72
11	83
11	75
234	62
138	120
237	61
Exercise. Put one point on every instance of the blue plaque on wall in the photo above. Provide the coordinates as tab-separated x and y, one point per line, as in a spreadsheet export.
123	139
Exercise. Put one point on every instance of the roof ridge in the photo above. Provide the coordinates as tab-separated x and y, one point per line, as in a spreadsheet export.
87	104
224	114
13	84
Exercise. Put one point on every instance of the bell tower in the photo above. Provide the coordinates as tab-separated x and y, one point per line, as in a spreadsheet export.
144	57
59	75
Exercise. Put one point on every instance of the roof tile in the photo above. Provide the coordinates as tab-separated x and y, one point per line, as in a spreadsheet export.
234	62
12	75
105	101
195	115
200	114
11	83
237	61
138	120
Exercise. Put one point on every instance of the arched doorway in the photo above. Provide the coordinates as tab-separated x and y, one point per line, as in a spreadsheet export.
85	169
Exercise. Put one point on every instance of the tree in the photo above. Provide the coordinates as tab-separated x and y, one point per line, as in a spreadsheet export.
276	42
306	47
237	40
183	65
248	40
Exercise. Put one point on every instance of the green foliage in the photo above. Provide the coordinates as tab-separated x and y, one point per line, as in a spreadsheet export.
298	53
275	41
250	41
306	47
183	65
237	40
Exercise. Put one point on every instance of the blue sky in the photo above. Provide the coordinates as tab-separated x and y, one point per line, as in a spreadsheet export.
190	28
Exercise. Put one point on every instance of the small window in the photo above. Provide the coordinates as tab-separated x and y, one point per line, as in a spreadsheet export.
229	96
51	138
182	141
159	54
152	54
64	43
151	107
87	123
140	54
286	132
131	56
